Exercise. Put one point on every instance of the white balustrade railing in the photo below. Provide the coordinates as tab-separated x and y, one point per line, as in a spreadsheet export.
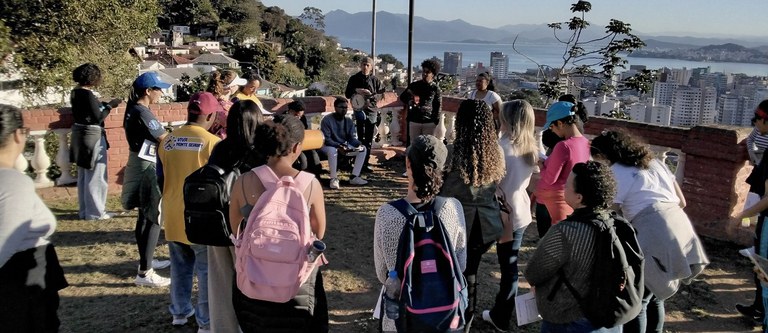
450	129
40	160
62	157
394	128
440	128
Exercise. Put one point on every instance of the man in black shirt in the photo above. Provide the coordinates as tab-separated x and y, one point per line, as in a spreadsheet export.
423	101
366	85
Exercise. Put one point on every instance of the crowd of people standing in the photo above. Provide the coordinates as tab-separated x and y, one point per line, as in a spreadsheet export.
489	175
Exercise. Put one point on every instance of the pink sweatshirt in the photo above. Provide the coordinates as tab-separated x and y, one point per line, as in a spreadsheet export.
558	166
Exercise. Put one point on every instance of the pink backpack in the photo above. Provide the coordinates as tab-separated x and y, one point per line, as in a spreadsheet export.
271	253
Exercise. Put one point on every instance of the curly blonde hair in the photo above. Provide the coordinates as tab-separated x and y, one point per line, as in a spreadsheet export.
476	153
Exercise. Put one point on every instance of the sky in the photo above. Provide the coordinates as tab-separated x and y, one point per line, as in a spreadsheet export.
698	18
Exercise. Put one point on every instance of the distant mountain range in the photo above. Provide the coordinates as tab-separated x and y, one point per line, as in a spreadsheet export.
394	27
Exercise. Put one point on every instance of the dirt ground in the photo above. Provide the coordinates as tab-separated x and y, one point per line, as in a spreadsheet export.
100	261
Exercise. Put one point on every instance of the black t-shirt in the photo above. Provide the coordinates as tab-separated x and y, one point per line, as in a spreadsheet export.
428	107
140	124
86	109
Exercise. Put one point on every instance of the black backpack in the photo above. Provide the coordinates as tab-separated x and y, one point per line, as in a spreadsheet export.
434	293
616	282
206	205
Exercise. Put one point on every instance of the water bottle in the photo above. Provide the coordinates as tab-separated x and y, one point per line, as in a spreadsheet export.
392	295
315	250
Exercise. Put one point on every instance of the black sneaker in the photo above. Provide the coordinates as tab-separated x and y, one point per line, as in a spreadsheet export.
367	169
749	311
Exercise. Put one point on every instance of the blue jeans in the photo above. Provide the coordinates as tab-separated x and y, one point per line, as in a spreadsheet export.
186	260
578	326
650	318
92	185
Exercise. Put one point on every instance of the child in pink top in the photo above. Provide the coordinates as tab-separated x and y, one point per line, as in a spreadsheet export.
561	119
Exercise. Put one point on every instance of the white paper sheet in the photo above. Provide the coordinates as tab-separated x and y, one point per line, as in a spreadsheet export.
377	309
148	151
527	312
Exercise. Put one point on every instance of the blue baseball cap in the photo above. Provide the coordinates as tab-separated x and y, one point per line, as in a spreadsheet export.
150	80
558	111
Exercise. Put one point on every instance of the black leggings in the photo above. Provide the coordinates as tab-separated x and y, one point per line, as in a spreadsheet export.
147	233
365	134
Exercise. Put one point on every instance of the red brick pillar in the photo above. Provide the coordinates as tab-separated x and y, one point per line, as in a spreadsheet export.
714	174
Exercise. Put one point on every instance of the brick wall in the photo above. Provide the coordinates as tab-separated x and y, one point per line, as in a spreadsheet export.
714	170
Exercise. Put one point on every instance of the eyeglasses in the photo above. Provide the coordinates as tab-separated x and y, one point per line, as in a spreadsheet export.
24	130
157	89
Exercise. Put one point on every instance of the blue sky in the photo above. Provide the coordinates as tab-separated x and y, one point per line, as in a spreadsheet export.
677	17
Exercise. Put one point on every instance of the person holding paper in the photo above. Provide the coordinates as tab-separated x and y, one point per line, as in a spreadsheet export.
568	249
140	188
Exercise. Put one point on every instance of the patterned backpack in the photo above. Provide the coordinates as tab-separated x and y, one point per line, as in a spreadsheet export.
433	296
271	251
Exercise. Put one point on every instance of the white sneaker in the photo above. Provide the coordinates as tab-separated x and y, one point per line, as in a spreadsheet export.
747	252
151	279
160	264
335	183
204	330
104	217
405	174
358	181
182	320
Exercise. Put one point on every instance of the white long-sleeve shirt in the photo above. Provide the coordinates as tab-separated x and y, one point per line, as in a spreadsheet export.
25	220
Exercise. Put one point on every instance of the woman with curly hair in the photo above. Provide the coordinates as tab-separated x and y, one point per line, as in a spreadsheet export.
280	140
562	120
223	84
518	141
89	142
568	249
650	198
476	168
424	163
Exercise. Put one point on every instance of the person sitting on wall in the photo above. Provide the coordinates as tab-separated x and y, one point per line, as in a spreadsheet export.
308	160
341	139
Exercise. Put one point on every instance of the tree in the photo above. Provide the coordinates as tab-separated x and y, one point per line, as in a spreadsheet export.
598	58
335	80
387	58
239	19
314	18
289	74
259	56
190	86
532	96
51	37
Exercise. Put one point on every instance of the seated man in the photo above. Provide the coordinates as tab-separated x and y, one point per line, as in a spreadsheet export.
341	139
308	160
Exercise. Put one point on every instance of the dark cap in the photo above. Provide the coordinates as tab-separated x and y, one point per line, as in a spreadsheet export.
204	103
427	150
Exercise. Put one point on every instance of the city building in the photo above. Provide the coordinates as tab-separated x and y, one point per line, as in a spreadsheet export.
452	62
694	106
733	109
499	65
664	91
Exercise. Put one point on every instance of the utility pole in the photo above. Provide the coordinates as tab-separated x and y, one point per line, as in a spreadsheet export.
373	35
410	42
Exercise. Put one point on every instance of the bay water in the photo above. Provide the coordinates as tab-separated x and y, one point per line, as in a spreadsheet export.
550	54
